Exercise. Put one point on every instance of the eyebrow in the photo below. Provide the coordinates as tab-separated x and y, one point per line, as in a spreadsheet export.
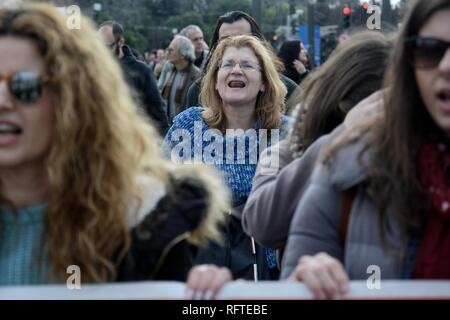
242	61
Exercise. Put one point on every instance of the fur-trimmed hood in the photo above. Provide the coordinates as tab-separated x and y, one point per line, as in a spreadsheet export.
186	209
217	198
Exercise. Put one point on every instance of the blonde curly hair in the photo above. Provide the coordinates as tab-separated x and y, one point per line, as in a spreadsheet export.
103	143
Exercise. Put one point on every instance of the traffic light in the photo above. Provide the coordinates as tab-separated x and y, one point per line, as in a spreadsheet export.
347	13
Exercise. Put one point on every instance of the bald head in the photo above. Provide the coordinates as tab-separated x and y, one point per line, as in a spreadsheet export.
112	35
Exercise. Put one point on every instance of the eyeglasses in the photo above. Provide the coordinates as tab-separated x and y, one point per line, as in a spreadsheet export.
426	52
25	86
244	65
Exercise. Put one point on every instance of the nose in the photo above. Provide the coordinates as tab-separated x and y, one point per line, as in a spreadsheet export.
238	70
6	101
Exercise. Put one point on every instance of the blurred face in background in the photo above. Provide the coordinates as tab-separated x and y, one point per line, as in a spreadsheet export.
172	52
160	55
236	28
107	36
303	54
196	37
433	69
151	58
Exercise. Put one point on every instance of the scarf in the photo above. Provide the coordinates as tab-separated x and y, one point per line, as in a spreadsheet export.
433	169
177	107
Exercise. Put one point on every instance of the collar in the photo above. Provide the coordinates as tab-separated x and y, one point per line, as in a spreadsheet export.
127	54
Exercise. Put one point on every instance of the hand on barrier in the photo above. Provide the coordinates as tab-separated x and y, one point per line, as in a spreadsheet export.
205	281
323	275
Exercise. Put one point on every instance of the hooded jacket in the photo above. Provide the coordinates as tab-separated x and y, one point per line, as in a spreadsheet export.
171	218
316	223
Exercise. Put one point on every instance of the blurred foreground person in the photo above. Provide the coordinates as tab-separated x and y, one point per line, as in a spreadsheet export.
381	193
353	72
82	179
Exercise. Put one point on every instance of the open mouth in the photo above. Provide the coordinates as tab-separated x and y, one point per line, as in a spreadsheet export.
236	84
7	129
444	96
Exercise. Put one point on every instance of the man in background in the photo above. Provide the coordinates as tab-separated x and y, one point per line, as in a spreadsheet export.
195	34
178	75
138	75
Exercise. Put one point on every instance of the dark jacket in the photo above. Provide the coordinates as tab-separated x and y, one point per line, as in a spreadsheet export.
194	91
237	253
199	61
142	80
159	249
295	76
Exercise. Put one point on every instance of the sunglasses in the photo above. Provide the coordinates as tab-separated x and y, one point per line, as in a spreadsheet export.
426	52
25	86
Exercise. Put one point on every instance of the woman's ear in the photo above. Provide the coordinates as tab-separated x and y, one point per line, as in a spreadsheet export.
263	88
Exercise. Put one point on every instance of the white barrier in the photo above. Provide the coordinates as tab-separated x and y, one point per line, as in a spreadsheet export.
238	290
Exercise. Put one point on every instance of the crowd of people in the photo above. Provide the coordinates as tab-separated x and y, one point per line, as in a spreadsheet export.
223	162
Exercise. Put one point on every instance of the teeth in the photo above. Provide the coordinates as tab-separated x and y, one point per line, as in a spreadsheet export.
7	127
445	95
236	84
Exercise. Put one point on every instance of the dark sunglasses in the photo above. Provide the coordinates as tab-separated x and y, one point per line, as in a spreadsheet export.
25	86
425	52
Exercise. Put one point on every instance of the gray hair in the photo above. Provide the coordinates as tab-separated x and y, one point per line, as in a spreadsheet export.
185	47
185	30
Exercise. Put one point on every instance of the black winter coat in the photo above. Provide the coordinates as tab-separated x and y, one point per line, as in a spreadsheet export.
159	249
142	80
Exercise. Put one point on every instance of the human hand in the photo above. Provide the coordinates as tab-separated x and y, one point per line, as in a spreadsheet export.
323	275
299	66
205	281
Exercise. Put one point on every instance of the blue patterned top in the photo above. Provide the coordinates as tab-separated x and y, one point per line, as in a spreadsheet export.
190	140
23	255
